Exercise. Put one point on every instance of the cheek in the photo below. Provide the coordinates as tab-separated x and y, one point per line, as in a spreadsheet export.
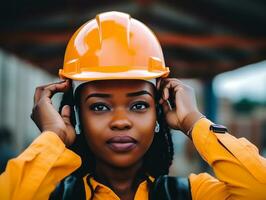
94	124
146	126
93	127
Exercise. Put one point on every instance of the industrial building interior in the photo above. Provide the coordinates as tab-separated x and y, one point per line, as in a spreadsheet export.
200	39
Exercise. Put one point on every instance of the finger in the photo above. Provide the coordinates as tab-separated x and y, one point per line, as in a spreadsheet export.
165	94
158	83
37	95
50	90
164	90
40	89
167	86
174	85
66	114
166	107
165	81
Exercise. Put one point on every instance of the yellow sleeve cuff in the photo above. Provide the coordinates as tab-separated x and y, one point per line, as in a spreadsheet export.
225	147
35	173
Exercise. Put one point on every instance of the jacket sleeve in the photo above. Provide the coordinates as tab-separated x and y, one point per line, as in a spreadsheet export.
239	169
35	173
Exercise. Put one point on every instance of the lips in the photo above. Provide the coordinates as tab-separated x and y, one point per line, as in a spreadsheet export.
122	144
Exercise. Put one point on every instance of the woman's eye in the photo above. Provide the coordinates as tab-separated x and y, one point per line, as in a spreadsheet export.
99	107
140	106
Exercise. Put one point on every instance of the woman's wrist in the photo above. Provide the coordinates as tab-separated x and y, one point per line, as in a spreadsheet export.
189	122
60	133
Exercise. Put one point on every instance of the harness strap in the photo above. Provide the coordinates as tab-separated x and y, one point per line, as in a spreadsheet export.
164	188
68	189
169	188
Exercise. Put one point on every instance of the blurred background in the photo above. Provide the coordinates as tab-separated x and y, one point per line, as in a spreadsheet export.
216	46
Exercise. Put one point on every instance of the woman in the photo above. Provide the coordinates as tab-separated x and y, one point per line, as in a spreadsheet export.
115	84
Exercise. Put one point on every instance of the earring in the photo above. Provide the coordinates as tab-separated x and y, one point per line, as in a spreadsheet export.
157	127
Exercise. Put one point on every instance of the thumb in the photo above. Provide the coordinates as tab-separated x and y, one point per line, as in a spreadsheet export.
170	115
65	114
166	106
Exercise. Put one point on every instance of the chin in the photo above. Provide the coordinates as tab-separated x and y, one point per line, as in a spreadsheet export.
124	161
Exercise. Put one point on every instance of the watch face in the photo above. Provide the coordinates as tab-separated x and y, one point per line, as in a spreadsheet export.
218	128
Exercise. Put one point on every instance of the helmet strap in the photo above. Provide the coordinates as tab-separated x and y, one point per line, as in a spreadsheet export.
77	126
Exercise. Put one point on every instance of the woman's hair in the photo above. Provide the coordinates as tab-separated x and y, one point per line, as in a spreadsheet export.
161	147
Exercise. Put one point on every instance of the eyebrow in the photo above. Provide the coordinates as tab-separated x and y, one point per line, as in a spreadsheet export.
142	92
132	94
102	95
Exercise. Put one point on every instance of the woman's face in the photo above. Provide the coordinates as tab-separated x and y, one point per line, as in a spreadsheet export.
118	118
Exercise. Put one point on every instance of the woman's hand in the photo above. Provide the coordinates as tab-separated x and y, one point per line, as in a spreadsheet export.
184	113
45	115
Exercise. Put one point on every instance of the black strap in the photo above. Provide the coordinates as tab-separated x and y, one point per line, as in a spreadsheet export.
170	188
68	189
164	188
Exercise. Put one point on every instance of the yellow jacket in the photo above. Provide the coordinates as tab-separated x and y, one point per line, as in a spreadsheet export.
240	170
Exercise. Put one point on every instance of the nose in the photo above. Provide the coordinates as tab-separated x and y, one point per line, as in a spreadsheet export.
120	120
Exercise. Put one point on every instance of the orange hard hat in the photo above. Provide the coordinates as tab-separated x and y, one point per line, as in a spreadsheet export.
113	46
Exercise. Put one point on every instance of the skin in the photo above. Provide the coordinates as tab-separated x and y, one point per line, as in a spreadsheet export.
125	112
124	108
122	112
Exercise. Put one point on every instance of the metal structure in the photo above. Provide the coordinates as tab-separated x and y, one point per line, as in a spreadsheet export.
200	38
